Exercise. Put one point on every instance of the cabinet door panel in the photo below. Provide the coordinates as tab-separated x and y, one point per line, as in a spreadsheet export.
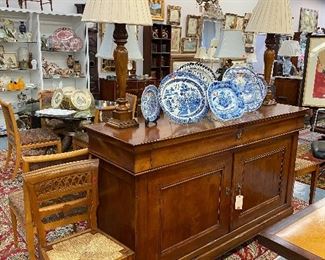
182	196
261	176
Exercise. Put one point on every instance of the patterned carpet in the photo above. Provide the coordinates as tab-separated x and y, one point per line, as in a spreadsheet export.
248	251
304	152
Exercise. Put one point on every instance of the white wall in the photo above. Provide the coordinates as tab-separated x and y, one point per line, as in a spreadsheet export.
191	7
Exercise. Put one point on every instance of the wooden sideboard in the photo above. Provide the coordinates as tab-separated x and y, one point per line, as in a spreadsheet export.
168	192
288	90
109	89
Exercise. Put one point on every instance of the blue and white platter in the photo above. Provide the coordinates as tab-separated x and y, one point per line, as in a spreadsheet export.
225	100
249	84
150	107
201	71
182	97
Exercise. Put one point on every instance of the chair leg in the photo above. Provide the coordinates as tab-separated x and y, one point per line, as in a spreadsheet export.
7	3
9	153
14	226
313	185
59	147
51	4
17	164
25	4
30	240
41	4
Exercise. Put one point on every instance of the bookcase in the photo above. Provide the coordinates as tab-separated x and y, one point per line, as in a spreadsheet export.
156	50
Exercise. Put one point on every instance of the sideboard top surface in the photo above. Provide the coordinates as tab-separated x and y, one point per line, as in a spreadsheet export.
166	129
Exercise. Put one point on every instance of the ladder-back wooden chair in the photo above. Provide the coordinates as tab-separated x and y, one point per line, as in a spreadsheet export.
19	208
52	184
41	2
27	141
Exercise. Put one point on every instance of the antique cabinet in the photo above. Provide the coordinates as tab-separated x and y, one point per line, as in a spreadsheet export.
169	191
109	88
287	90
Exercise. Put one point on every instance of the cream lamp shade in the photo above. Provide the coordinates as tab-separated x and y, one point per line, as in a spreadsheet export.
201	54
231	45
289	48
271	16
135	12
108	46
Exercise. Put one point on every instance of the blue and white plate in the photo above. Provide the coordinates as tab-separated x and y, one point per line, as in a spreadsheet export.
225	100
201	71
182	97
249	84
150	103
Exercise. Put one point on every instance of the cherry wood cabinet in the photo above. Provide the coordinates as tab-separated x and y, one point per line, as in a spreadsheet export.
168	192
288	90
109	88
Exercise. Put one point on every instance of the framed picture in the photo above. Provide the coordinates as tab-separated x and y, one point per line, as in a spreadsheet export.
247	17
230	21
192	25
308	20
10	60
239	22
178	60
314	73
157	9
175	45
174	15
189	45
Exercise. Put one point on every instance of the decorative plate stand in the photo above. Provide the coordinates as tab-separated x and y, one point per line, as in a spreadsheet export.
182	97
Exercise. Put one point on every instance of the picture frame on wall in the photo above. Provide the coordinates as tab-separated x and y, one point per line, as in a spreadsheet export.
230	21
157	8
239	22
314	73
174	14
175	45
189	45
308	20
192	25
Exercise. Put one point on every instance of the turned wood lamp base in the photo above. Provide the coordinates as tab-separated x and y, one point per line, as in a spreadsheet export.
269	57
122	115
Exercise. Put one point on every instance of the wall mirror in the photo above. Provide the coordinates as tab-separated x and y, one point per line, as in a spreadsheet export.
210	29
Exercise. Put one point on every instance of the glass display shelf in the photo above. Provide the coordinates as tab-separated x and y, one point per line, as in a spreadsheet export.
17	70
58	51
57	78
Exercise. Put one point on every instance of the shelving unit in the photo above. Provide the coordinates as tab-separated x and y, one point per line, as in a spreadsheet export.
156	51
39	24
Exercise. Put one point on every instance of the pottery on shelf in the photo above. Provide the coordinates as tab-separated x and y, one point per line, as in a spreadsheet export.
70	61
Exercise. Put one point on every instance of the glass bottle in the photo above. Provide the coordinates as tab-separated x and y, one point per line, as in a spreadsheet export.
22	27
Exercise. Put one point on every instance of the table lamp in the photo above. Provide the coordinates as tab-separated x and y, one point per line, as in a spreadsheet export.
288	49
106	50
271	17
231	47
120	13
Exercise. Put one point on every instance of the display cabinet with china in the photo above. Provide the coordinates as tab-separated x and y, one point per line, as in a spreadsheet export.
63	45
35	51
